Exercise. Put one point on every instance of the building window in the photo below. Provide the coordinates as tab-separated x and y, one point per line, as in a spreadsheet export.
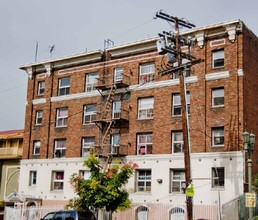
143	181
118	74
57	180
218	136
36	148
145	108
218	177
64	86
85	174
89	114
61	117
147	71
33	178
60	148
218	58
39	115
91	81
142	213
87	144
144	144
177	213
177	142
116	111
177	181
41	88
218	97
176	104
115	143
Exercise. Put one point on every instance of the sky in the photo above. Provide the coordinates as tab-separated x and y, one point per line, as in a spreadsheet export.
76	26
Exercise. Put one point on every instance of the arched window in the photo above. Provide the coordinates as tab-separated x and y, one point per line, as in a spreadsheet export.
177	213
142	213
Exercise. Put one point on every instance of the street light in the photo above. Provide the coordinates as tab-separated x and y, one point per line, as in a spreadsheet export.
249	140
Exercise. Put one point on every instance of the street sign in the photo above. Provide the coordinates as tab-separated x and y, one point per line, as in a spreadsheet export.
250	200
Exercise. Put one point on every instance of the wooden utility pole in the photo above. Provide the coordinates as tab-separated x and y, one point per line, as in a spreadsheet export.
179	55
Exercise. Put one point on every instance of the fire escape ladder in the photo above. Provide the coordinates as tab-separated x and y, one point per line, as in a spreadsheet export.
108	104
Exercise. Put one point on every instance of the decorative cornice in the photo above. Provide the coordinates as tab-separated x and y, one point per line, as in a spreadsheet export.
48	68
214	76
74	96
39	101
29	71
231	29
200	38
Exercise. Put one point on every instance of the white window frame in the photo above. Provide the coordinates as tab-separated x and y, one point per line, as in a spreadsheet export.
178	184
57	183
177	142
89	114
59	151
64	86
218	134
145	108
41	88
118	74
147	71
218	97
143	180
144	143
116	109
61	120
33	178
218	177
115	143
91	82
218	58
85	174
39	117
176	104
36	148
87	144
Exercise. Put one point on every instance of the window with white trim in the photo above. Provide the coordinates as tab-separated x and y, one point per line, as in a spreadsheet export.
144	144
33	178
218	58
116	111
217	97
61	117
145	108
87	144
142	213
85	174
143	180
57	180
115	143
64	86
147	71
118	74
39	115
177	142
218	136
36	148
91	82
176	104
218	177
60	148
89	114
41	88
177	177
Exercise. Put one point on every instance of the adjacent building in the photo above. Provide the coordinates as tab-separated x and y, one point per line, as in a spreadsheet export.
115	103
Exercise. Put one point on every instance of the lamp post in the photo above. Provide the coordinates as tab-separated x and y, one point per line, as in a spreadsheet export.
249	140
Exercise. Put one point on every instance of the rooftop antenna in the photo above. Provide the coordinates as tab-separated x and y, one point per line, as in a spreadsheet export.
36	52
108	43
51	50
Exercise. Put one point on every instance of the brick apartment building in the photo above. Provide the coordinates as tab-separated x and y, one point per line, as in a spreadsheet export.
116	103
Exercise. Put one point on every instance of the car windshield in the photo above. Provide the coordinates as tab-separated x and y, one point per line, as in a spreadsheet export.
49	216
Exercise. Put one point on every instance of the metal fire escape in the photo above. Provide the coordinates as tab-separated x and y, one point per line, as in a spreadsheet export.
112	112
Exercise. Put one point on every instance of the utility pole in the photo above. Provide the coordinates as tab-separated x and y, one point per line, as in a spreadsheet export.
172	44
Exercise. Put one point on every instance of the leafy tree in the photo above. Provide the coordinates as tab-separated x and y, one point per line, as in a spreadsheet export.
104	188
255	183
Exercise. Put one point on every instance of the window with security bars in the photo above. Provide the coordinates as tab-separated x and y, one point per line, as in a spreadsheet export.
218	136
177	142
217	97
143	183
177	181
88	143
218	58
89	114
61	117
145	108
64	86
144	143
176	104
91	82
218	177
142	213
147	71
